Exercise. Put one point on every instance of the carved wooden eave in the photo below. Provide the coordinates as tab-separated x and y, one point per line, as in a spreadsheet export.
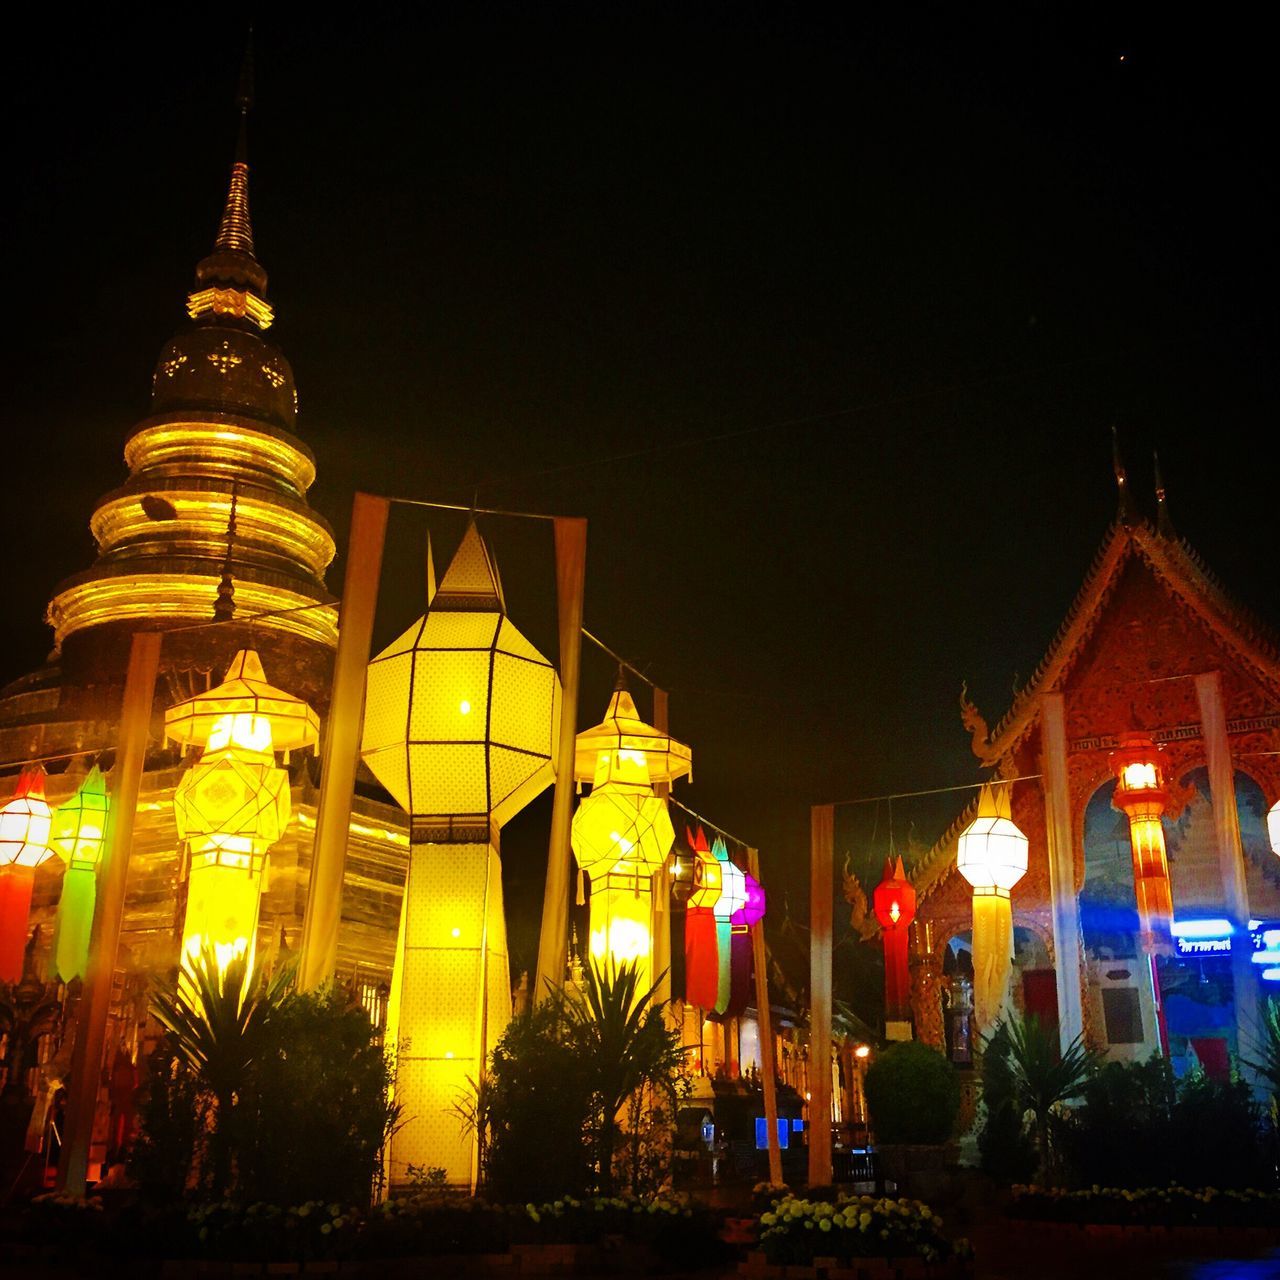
1189	581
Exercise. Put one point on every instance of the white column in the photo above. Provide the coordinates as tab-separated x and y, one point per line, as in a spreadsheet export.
1226	822
1058	830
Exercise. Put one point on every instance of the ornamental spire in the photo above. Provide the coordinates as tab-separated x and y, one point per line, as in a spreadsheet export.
1124	509
230	284
235	231
1164	521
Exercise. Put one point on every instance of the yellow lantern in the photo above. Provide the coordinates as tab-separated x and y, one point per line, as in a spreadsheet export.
233	803
992	857
461	724
257	708
622	833
25	822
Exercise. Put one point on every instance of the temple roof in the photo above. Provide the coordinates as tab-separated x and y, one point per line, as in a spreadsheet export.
1180	570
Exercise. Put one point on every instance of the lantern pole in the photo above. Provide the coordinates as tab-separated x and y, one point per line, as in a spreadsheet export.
764	1027
661	930
1226	821
126	778
822	840
319	952
553	939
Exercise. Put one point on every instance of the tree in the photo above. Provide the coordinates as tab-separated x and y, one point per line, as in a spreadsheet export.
1040	1077
217	1019
623	1034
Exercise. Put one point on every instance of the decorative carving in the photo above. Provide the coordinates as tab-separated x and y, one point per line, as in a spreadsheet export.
979	734
856	897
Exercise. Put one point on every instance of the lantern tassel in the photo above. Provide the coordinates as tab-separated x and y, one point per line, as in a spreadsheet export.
582	889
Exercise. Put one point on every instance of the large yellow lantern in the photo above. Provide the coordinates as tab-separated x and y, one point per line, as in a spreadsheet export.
25	821
622	832
232	805
992	857
460	725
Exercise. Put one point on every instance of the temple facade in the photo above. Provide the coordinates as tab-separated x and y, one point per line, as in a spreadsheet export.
1153	652
210	539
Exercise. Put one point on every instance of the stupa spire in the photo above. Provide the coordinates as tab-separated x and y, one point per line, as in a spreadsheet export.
231	286
235	230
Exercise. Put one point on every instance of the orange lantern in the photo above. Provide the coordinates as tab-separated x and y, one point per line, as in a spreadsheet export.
1140	795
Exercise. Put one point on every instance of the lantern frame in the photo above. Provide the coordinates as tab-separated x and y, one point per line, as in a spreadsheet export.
78	832
26	822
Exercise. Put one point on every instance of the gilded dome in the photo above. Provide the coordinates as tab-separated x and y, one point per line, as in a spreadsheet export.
225	369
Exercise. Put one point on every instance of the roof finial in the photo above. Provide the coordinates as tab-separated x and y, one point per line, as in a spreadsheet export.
1124	509
1164	521
224	607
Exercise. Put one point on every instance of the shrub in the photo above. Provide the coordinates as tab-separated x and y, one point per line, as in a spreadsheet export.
1006	1147
1147	1206
913	1095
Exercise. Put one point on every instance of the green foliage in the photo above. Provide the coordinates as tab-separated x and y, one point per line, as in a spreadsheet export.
1138	1127
1266	1050
579	1093
1147	1206
217	1021
1036	1076
913	1095
261	1094
1006	1147
316	1106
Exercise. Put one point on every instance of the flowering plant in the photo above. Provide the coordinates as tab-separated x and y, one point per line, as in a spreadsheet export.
796	1231
1148	1206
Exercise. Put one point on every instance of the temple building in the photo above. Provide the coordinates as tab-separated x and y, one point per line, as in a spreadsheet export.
1140	763
210	539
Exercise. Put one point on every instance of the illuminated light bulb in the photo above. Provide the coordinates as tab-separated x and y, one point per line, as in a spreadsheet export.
1140	777
464	707
862	1051
456	933
895	912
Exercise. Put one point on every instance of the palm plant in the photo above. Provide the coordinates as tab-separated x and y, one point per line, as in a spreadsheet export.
1267	1046
621	1031
216	1016
1038	1074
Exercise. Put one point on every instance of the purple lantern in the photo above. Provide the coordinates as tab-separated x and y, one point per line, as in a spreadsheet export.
753	911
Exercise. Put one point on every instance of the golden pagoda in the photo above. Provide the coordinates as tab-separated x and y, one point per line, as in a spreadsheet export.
210	539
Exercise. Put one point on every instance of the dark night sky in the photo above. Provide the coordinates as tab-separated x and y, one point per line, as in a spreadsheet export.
934	260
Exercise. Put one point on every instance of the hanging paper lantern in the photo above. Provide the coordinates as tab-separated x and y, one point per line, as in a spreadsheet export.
461	725
992	856
733	897
233	804
1140	795
25	822
1273	827
753	909
78	835
622	739
701	958
894	902
621	835
240	705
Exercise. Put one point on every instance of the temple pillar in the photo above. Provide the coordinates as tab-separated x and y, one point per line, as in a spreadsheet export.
926	988
1064	905
1226	821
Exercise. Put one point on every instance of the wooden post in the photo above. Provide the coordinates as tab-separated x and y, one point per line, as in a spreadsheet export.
1235	890
1064	905
822	840
553	939
661	932
764	1027
104	937
319	951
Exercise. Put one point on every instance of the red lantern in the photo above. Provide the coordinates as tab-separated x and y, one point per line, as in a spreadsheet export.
701	947
25	822
894	902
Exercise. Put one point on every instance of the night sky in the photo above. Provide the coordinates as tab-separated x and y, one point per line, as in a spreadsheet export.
865	297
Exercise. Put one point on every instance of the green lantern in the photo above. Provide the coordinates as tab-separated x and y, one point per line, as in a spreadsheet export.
78	835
